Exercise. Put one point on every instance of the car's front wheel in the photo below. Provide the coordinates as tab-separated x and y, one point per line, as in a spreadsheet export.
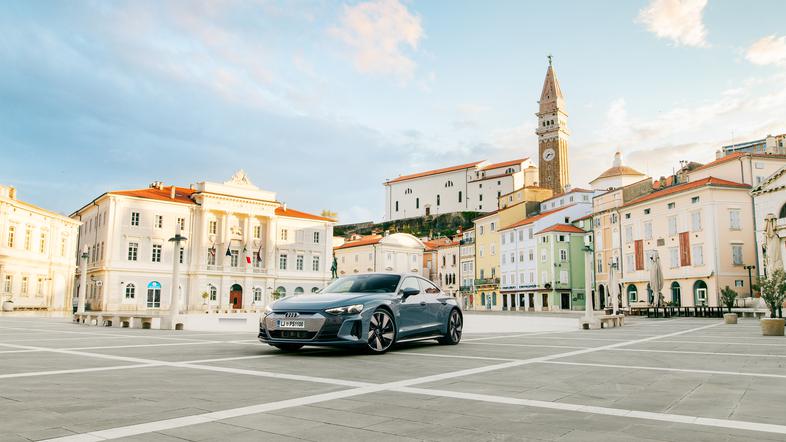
455	326
289	347
381	332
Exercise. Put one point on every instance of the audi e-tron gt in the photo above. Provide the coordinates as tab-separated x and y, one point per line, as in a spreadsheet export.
371	311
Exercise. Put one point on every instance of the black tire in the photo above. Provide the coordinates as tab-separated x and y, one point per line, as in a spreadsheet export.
381	332
454	328
288	347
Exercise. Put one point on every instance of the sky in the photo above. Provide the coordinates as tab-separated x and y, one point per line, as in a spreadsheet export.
322	101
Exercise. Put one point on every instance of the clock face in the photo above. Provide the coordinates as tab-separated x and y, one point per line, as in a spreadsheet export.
548	154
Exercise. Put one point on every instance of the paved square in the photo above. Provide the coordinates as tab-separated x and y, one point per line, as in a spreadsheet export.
665	380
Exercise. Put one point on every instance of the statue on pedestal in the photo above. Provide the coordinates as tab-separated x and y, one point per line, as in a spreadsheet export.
334	268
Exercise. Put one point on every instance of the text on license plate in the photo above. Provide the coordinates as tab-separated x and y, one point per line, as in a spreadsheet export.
288	323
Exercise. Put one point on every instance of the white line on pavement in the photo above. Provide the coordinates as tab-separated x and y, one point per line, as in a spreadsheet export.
680	370
75	370
712	353
502	344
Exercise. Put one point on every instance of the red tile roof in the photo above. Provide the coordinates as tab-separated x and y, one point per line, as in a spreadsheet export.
709	181
577	189
734	156
440	243
434	172
583	218
566	228
534	218
364	241
182	194
504	164
292	213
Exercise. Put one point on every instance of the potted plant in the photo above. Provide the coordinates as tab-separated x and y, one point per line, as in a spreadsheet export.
205	295
773	292
728	296
8	305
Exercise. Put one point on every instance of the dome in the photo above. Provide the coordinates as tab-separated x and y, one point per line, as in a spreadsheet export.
402	240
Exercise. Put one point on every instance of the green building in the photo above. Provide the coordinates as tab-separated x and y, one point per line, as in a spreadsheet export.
560	266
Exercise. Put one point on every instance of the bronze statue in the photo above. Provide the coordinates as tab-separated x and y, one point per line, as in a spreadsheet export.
334	268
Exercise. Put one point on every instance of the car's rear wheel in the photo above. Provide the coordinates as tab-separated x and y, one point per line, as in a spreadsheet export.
381	332
288	347
455	326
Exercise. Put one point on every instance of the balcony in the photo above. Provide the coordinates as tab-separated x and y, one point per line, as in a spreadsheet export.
486	281
467	288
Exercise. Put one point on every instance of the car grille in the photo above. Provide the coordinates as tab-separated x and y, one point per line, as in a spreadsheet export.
291	334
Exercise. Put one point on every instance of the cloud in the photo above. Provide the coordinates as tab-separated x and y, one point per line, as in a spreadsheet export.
379	32
767	50
677	20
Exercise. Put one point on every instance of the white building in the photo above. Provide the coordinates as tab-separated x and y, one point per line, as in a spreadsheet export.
242	245
395	253
617	176
519	278
769	199
467	187
37	255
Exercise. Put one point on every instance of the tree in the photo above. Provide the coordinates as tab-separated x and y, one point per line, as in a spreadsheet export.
728	296
773	290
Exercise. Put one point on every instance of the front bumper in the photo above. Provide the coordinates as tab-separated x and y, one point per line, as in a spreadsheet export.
320	329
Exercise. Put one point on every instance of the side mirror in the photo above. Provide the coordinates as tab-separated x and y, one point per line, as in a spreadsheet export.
407	292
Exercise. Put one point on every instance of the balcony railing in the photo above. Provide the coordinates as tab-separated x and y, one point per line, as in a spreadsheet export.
486	281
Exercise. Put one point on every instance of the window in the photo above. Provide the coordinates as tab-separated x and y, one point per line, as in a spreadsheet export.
257	294
736	254
437	199
182	252
182	223
42	243
561	238
674	257
734	219
459	196
212	292
28	237
39	288
504	260
159	222
133	251
758	165
672	225
697	253
130	291
211	256
521	235
212	227
493	250
531	233
11	233
284	234
493	226
670	206
9	283
600	265
396	206
531	255
563	255
695	221
629	262
694	200
563	277
282	261
234	260
633	295
134	218
417	203
627	215
646	211
299	262
628	234
315	263
648	230
316	237
25	284
156	257
542	255
154	295
63	244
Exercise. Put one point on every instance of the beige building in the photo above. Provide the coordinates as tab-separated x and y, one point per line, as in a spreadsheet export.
703	233
37	255
769	199
394	253
467	267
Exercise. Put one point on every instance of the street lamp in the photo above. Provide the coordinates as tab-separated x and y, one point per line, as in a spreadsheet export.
174	300
588	283
80	304
750	278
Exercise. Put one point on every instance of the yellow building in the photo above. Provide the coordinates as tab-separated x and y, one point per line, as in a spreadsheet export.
487	262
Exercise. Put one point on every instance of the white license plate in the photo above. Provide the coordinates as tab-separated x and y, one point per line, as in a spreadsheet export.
288	323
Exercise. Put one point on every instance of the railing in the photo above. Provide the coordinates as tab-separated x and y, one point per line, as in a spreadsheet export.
467	288
486	281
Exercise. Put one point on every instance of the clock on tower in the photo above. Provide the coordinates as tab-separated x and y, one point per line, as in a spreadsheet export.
553	135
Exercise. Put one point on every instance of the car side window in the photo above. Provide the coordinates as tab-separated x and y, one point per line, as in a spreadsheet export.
428	288
409	283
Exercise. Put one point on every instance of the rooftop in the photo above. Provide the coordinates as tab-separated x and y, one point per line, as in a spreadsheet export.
534	218
709	181
565	228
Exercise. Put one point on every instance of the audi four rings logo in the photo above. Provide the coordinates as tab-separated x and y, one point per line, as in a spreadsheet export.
291	314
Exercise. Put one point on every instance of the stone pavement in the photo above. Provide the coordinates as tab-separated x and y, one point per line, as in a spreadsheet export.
666	380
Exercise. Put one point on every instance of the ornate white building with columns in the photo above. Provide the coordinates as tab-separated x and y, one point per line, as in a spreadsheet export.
242	246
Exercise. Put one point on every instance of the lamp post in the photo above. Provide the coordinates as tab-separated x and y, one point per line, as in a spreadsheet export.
588	283
80	303
750	278
174	302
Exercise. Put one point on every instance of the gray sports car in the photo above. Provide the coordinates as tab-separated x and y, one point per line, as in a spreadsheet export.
371	311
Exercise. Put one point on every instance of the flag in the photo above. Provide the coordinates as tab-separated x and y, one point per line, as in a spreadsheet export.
212	250
228	253
259	252
248	257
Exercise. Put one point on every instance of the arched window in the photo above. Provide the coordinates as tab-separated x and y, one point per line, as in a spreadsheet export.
281	292
314	289
130	291
437	199
257	294
298	291
675	293
154	294
510	170
449	184
211	289
700	292
633	294
783	212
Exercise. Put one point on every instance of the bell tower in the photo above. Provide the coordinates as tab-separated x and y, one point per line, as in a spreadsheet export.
553	135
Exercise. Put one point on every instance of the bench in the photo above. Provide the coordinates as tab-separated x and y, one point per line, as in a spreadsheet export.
598	322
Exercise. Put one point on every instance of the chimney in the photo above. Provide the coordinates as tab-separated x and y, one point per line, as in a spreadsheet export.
284	205
718	154
172	193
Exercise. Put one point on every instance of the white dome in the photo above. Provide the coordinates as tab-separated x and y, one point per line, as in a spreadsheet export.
402	240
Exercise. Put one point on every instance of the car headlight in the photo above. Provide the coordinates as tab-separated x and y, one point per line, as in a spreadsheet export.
268	310
346	310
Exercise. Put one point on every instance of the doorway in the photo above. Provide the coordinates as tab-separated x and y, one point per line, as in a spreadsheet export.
545	301
602	296
236	296
531	302
565	301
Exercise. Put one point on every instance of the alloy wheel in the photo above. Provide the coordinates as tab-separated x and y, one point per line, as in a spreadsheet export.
455	326
381	332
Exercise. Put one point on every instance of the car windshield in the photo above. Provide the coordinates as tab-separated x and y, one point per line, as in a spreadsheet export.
363	284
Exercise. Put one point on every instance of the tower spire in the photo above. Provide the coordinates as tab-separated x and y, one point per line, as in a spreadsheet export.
553	134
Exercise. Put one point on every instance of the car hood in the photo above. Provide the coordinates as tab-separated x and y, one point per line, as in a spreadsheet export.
322	301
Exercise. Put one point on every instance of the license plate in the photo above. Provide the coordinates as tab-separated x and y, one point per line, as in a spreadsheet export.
288	323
